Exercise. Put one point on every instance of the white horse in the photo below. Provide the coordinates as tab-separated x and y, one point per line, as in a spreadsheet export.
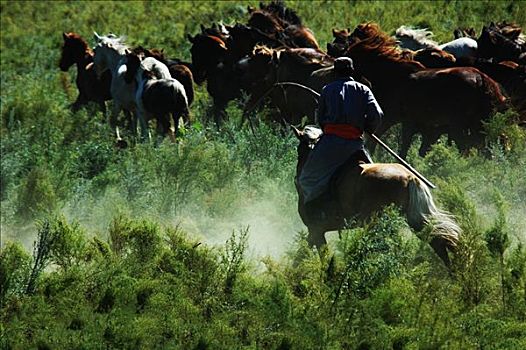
110	54
416	39
158	95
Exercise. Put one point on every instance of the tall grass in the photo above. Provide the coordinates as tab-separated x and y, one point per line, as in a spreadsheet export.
198	244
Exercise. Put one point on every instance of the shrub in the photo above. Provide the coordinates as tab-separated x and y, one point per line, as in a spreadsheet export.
36	196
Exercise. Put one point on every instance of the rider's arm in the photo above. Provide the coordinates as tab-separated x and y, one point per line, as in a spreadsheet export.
320	112
374	113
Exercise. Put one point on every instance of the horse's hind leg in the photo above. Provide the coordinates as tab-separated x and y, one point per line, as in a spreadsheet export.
429	137
407	136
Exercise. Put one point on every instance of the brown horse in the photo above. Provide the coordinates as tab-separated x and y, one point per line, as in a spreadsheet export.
91	89
361	190
502	42
267	66
429	101
282	24
212	63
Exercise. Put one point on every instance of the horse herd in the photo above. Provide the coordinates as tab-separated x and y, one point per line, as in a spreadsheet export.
425	87
428	88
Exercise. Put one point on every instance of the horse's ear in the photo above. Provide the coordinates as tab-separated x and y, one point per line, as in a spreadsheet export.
203	29
96	36
190	38
65	35
127	51
297	132
250	9
275	56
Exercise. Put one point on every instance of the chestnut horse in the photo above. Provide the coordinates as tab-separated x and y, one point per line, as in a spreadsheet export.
266	67
360	190
430	101
282	24
91	89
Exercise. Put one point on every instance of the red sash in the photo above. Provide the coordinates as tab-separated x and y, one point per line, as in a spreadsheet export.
345	131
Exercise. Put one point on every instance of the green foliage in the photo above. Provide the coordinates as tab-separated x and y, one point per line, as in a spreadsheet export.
36	196
497	236
126	269
14	268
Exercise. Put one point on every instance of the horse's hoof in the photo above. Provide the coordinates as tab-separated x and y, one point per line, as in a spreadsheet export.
121	144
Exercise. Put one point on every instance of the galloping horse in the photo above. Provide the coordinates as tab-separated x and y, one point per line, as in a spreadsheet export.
211	62
158	95
267	66
430	101
179	70
366	188
502	42
282	24
110	54
91	89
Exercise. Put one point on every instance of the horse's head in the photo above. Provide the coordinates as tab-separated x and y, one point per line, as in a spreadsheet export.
109	50
434	58
265	22
308	138
73	50
158	54
255	71
207	52
133	62
341	36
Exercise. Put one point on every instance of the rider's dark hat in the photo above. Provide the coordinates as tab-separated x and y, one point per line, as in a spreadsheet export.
343	64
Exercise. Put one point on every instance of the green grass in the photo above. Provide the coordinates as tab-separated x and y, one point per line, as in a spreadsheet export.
198	245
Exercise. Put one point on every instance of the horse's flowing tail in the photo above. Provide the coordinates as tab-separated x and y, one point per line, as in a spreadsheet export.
423	211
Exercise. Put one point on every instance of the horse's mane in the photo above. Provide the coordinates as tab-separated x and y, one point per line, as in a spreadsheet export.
113	41
278	9
266	21
76	37
312	133
369	40
307	56
300	56
421	36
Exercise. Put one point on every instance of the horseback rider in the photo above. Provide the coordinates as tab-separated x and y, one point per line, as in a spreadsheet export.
346	109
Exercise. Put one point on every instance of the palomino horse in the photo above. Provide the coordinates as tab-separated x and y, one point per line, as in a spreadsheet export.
158	95
430	101
110	54
363	189
91	89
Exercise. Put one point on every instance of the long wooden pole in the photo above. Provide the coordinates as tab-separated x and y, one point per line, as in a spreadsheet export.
376	138
402	161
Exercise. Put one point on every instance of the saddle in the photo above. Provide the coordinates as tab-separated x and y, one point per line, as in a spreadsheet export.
326	207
